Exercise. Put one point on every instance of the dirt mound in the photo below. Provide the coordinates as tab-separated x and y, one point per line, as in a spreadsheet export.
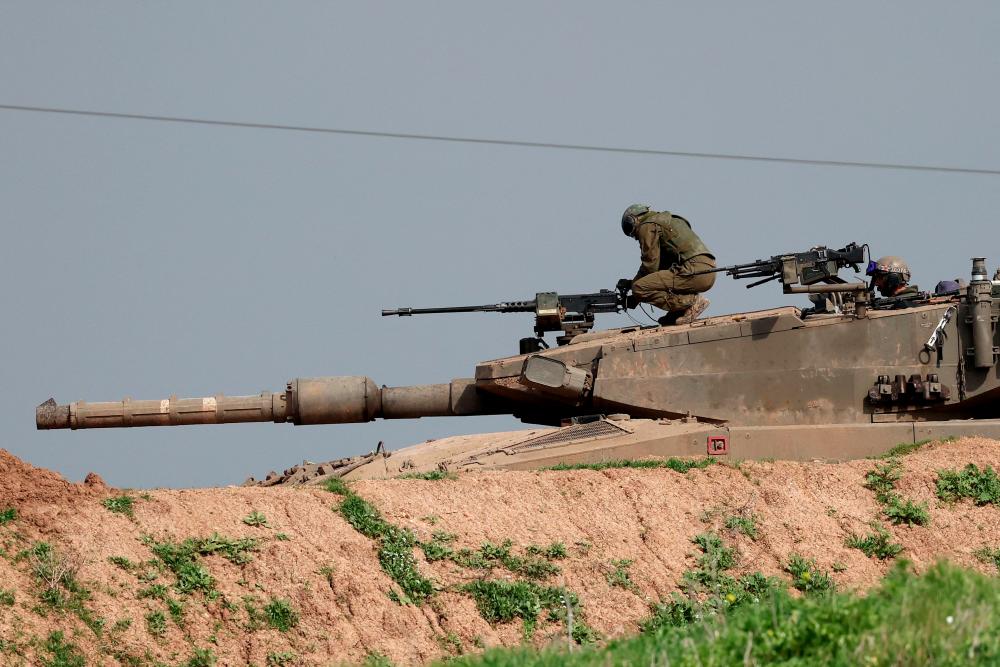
279	576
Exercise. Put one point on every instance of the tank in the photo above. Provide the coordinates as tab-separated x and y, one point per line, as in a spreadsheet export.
849	377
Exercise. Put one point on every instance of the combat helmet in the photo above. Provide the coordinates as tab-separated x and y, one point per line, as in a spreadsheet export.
894	270
630	217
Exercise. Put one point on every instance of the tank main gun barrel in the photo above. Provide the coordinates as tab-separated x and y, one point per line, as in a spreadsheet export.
322	400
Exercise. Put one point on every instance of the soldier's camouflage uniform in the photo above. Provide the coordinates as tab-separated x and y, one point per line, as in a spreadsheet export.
671	252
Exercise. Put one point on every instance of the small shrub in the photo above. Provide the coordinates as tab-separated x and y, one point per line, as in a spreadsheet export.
255	519
156	623
677	612
988	555
899	510
982	486
806	576
878	544
716	556
503	601
7	515
123	504
620	575
280	659
280	615
431	476
744	524
6	598
554	551
63	654
882	480
336	485
281	537
202	657
122	562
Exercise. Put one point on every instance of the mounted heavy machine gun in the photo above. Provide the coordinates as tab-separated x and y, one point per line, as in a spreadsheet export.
814	271
573	314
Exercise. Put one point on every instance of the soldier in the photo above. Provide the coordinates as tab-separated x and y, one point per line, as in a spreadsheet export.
671	254
891	276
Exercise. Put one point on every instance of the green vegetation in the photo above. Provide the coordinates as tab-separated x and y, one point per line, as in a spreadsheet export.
255	518
432	476
899	510
882	480
744	524
64	654
55	574
503	601
878	544
490	555
281	537
181	558
122	562
988	555
679	465
982	486
620	576
7	515
806	576
160	592
337	485
395	544
280	615
554	551
947	617
202	657
904	448
6	598
123	504
156	623
707	590
376	659
281	659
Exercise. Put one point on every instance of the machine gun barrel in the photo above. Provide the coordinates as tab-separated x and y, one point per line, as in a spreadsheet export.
503	307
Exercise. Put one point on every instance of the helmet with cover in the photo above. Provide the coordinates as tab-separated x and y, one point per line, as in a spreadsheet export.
631	216
889	274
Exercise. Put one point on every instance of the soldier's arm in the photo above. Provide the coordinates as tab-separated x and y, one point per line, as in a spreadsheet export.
649	245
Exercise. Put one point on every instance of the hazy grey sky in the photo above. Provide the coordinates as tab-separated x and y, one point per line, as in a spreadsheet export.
146	259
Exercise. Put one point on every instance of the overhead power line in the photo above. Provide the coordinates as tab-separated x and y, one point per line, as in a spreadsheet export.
507	142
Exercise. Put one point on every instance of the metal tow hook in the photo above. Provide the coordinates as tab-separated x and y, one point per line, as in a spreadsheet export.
939	329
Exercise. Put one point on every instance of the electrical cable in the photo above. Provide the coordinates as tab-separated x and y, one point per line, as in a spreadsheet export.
508	142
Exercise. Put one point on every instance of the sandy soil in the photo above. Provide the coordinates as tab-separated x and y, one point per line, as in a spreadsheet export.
331	575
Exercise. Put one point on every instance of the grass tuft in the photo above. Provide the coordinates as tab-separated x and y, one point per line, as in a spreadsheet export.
7	515
806	576
744	524
280	615
255	519
878	544
431	476
123	504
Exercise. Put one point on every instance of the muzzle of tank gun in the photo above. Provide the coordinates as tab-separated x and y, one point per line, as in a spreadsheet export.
324	400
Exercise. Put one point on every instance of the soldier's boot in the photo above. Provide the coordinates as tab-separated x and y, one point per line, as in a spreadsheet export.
692	313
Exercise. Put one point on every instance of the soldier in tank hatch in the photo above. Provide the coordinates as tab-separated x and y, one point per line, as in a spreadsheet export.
891	276
671	256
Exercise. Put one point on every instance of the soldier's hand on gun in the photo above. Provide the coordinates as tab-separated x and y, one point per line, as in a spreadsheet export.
623	285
